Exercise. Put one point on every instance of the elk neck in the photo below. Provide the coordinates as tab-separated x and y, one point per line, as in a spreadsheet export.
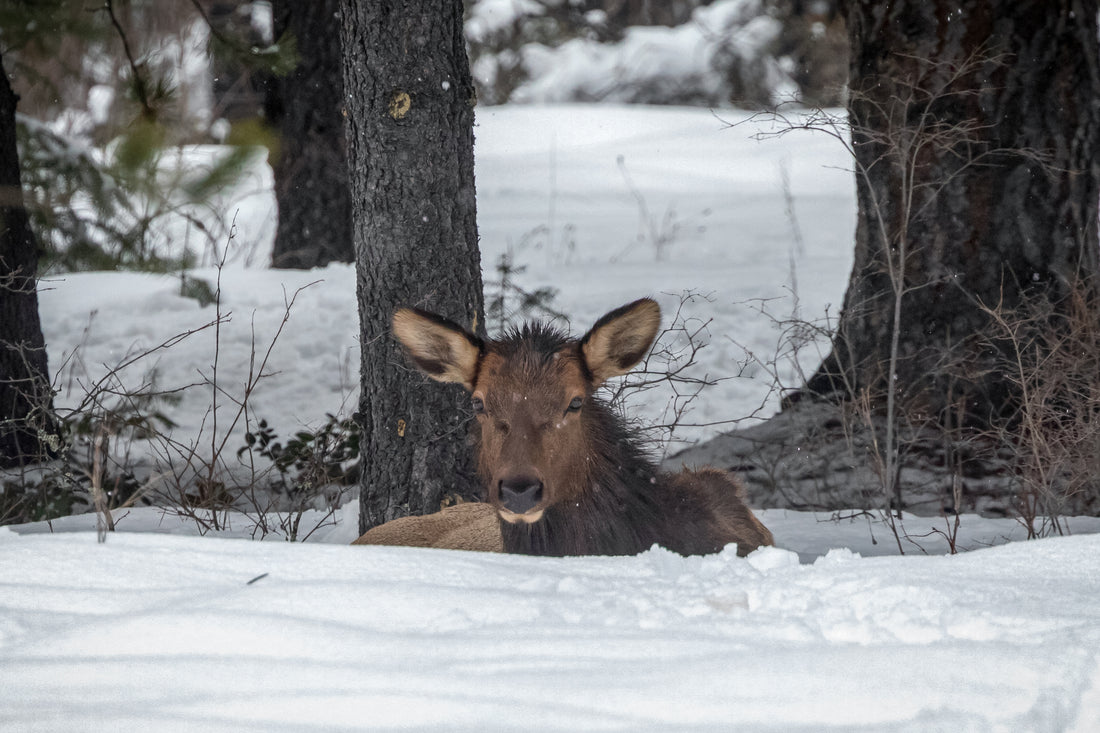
616	508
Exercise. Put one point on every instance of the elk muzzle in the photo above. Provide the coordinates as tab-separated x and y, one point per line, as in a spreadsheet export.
519	498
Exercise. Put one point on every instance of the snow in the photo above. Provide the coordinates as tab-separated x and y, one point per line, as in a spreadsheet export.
162	632
709	60
489	17
160	629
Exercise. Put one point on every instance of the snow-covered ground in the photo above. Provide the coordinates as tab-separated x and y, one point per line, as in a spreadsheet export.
158	629
159	632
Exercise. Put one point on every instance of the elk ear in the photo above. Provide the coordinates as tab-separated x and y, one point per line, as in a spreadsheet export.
443	350
620	339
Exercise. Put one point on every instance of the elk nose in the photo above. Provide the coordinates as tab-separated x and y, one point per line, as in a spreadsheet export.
521	494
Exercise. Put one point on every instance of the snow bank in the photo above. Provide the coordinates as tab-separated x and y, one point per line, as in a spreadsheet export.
169	633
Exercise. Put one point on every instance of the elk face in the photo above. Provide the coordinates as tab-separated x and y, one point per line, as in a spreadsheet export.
529	407
529	392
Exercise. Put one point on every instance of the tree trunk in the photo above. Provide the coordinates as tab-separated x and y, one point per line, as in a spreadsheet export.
410	149
26	401
307	106
975	130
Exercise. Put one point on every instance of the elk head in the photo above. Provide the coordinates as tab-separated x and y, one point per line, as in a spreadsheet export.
532	394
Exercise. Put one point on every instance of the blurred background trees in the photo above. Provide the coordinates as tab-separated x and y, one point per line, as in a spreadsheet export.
107	90
305	107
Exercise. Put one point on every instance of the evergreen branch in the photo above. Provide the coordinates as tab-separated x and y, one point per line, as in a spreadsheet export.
147	110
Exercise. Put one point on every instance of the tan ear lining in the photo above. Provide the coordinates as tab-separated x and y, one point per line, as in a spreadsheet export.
621	339
441	349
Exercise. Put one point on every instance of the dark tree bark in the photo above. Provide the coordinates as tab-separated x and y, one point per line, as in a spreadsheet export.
975	128
410	148
307	106
26	400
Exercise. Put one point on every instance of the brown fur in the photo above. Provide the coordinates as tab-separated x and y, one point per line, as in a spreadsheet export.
469	526
732	517
562	470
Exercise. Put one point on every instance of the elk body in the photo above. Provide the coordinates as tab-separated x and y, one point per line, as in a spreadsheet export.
468	526
562	471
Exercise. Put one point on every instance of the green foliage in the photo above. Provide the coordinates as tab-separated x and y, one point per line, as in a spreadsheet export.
247	140
309	458
42	24
32	31
50	496
109	208
66	187
278	58
96	211
91	214
136	152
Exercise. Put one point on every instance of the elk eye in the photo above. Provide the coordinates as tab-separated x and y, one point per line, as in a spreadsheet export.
575	404
478	405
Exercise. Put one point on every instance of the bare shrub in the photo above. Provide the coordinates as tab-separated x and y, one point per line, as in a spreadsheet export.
669	371
1053	359
907	434
118	448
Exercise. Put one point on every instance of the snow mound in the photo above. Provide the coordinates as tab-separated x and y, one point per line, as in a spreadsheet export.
169	633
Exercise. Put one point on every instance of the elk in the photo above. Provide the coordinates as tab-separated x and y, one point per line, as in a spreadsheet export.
563	472
466	526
